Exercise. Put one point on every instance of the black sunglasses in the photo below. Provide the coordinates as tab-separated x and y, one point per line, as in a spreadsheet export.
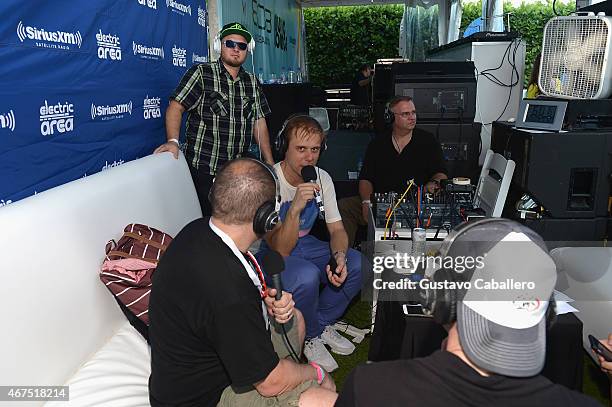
232	44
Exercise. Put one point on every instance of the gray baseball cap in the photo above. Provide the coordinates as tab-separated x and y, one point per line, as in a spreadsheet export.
501	318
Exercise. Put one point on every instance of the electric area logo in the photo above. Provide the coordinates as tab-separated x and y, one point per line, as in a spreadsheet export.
195	58
151	108
49	39
179	56
107	112
147	52
109	46
148	3
201	16
7	121
178	7
56	118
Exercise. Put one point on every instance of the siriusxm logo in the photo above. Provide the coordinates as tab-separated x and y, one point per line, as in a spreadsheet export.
148	52
56	118
114	164
149	3
198	58
111	112
7	121
151	108
52	39
178	7
109	46
201	16
4	203
179	56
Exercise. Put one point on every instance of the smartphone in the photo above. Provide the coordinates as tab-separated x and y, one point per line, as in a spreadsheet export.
600	348
333	265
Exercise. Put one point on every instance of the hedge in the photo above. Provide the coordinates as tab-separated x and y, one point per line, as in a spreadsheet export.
340	39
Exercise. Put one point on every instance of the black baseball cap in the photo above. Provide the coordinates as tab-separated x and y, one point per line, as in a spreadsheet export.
235	28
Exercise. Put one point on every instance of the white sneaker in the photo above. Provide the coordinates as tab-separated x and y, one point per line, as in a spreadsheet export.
338	343
315	351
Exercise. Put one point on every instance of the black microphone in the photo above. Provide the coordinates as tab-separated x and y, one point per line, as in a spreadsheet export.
273	264
310	175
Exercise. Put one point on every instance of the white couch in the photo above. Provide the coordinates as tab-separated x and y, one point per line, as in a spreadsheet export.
60	325
585	275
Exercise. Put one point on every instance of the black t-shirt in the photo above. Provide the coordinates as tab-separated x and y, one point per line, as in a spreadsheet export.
444	380
389	171
359	94
207	326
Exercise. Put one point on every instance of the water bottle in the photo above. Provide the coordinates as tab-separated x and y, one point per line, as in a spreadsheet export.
359	164
283	78
291	76
299	76
261	75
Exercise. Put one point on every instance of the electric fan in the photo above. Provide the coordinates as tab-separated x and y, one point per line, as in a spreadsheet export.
575	60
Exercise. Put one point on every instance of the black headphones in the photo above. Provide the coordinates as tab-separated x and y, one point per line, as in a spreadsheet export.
389	116
441	303
266	216
282	143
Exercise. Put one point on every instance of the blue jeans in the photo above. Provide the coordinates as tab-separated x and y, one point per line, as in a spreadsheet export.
305	272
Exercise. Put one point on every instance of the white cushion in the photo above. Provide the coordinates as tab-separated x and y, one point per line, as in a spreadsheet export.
117	375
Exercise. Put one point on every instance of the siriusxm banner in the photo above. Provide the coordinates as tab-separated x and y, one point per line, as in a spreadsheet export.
84	85
276	28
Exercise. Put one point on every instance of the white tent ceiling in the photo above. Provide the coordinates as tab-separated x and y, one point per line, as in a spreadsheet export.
328	3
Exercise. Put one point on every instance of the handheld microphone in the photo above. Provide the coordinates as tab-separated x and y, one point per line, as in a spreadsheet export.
273	264
310	175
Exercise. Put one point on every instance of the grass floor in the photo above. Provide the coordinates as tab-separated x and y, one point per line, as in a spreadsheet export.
595	383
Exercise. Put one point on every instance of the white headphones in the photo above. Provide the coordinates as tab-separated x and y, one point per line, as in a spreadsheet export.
233	26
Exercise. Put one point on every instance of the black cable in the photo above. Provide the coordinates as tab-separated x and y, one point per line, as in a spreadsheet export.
292	351
554	8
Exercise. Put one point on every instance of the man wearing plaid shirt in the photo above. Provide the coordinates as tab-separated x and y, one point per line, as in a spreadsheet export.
225	109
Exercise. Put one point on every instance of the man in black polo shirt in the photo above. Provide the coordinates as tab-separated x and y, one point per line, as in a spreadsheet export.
212	342
391	160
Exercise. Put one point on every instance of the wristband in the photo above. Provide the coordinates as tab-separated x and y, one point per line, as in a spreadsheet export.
320	372
338	252
366	201
174	140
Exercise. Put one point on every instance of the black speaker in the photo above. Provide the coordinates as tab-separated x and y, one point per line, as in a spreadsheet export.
567	173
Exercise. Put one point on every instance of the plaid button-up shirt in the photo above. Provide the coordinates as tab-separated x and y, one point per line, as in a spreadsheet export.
221	114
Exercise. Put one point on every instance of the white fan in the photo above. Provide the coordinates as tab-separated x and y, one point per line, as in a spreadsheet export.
575	60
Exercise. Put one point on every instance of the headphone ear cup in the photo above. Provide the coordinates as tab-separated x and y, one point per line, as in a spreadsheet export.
265	218
217	44
444	307
389	116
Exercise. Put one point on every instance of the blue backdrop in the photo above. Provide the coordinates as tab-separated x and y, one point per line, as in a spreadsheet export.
84	85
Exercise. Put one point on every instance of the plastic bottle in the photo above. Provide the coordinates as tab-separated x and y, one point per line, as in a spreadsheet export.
291	76
283	78
261	75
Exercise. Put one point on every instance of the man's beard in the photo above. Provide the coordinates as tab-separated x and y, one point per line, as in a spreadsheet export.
233	63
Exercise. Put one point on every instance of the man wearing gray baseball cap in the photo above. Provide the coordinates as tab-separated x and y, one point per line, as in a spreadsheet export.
493	294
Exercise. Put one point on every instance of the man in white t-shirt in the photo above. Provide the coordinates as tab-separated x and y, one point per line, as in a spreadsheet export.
306	257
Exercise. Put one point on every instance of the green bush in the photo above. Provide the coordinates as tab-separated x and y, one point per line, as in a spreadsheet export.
340	39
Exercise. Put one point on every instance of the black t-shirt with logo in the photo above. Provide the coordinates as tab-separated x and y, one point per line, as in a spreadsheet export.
444	380
389	171
207	328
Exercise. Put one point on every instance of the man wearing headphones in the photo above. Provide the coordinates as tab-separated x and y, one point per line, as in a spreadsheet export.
225	108
393	159
496	336
307	258
213	341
